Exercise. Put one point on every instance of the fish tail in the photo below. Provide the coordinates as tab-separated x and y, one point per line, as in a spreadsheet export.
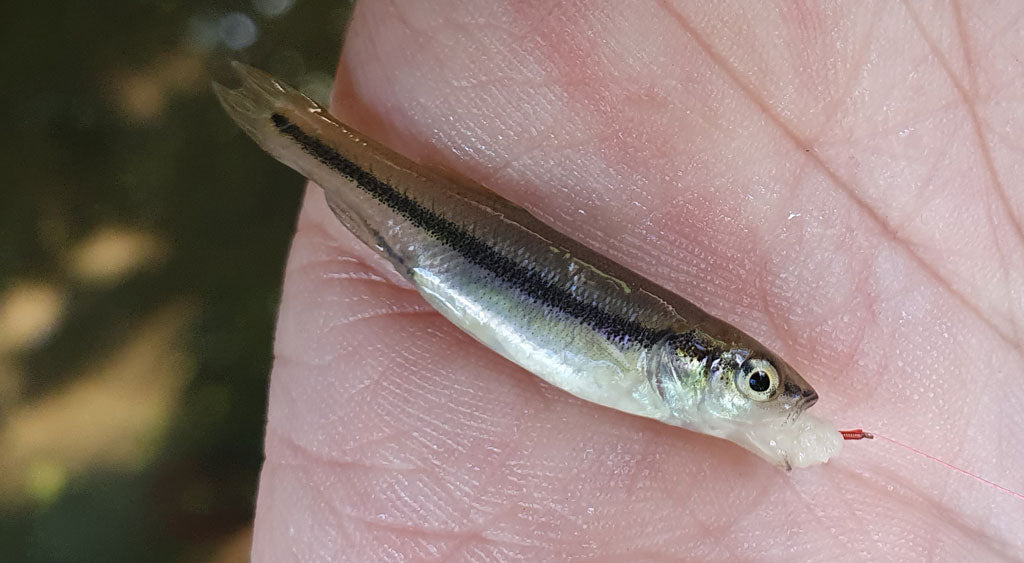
300	133
254	104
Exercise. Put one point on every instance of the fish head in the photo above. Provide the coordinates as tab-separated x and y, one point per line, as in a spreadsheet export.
757	400
748	396
746	385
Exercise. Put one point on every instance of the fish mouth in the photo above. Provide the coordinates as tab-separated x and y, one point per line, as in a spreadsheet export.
804	401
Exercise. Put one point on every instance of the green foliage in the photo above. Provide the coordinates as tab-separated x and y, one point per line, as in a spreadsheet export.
110	122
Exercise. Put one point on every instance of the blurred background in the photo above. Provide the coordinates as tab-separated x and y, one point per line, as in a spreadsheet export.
142	244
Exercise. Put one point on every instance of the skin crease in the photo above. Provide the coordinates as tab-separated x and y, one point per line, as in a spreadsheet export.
841	182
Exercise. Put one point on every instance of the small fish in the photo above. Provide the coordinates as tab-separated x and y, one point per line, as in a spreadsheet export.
544	301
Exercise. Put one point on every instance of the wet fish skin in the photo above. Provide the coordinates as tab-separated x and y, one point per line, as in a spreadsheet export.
537	297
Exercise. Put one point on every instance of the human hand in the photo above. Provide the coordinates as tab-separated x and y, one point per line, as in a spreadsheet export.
843	184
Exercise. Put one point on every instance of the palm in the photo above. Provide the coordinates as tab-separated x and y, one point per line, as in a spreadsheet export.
842	185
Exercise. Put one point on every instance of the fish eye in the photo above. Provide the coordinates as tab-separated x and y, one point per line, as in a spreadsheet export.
758	380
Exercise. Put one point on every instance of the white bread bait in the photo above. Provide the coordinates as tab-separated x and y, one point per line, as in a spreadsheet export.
544	301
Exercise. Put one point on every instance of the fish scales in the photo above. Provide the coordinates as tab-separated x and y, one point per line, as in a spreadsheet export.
561	310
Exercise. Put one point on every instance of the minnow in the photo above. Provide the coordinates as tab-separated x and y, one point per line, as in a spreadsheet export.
560	310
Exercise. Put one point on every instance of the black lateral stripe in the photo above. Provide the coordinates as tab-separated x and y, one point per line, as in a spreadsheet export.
471	248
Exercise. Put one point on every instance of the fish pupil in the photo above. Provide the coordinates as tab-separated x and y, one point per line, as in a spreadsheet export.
759	381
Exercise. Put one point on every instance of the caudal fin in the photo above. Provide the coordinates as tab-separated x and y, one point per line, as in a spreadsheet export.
260	96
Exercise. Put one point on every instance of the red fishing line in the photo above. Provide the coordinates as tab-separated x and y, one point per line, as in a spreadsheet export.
859	434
